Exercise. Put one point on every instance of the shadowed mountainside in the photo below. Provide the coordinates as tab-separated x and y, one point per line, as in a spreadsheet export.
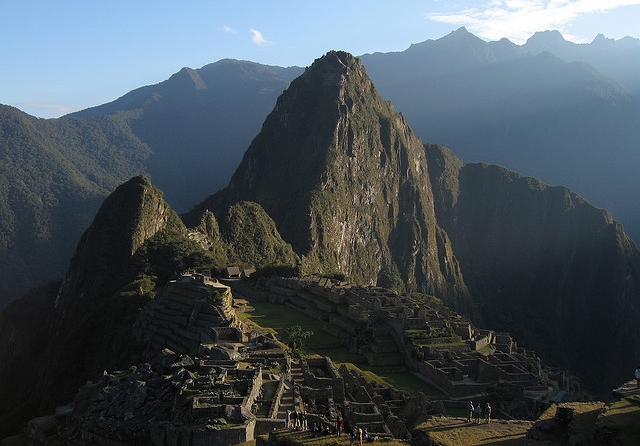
187	133
543	264
561	121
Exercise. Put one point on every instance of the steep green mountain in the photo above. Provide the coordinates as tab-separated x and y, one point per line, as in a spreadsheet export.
559	120
543	264
346	182
354	191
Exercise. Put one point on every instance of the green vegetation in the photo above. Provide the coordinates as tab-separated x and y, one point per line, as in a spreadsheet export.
53	176
390	278
251	237
169	253
144	286
295	338
278	318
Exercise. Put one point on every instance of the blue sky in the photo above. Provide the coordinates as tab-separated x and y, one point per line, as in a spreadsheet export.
67	55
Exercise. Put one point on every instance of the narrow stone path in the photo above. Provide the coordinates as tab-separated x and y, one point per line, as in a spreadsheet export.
287	402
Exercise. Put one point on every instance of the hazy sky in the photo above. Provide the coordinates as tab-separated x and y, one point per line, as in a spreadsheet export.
66	55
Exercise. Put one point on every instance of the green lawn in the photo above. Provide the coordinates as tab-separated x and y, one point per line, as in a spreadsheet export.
280	317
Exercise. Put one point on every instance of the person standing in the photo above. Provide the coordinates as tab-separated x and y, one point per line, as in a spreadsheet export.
478	412
487	413
469	411
287	419
637	374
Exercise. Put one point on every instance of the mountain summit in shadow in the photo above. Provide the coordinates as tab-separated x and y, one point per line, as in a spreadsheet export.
562	112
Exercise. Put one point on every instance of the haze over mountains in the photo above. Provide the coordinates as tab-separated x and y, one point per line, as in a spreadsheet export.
571	122
535	113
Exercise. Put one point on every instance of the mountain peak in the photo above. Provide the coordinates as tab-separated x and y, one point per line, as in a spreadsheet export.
334	67
351	170
462	31
600	39
133	213
461	35
548	36
545	41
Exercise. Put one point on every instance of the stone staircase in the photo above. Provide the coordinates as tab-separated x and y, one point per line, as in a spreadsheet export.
289	397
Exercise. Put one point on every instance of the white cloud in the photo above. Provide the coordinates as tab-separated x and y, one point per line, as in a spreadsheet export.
518	20
228	29
258	39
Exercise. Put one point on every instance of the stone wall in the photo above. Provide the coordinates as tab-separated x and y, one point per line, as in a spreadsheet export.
332	379
165	434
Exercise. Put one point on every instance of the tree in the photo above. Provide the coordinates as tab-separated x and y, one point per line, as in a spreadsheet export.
296	337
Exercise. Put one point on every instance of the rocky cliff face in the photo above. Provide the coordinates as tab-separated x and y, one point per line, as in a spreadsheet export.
347	183
544	265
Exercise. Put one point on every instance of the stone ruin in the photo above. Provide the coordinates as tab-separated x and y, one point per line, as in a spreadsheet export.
206	379
417	333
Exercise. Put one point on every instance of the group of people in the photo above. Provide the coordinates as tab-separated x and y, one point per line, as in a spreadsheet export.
296	420
299	421
475	412
359	434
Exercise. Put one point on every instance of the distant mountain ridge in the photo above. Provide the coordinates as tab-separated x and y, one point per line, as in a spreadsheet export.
617	59
199	122
527	109
188	134
57	171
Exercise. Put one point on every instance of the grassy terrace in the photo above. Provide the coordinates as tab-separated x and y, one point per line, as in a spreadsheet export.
276	318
